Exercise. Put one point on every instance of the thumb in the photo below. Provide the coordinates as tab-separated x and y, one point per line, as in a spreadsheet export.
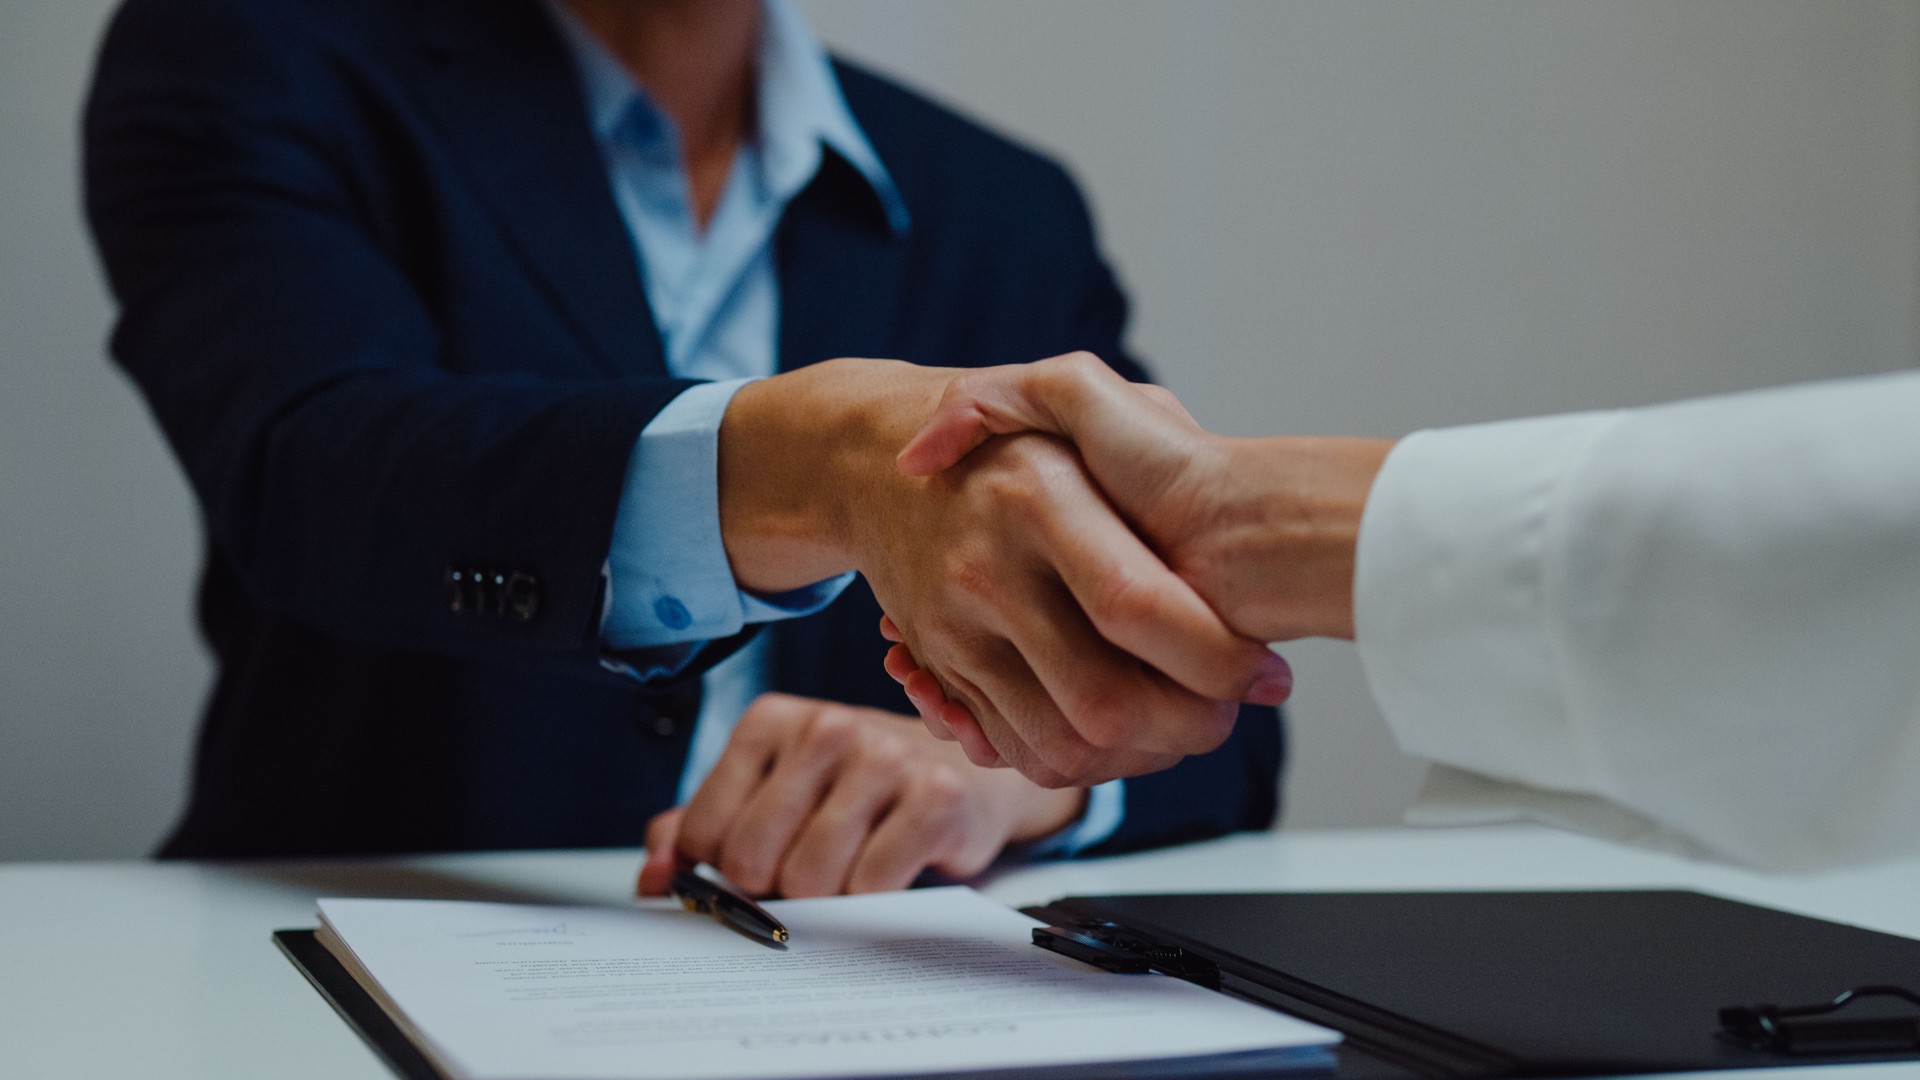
663	857
1131	436
974	408
1162	398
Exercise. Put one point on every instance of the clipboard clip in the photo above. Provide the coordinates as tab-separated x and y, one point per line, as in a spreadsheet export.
1115	948
1812	1029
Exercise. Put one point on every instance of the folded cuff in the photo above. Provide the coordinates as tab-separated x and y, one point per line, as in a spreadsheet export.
1454	603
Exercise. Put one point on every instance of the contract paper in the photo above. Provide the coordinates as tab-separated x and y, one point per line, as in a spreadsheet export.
927	981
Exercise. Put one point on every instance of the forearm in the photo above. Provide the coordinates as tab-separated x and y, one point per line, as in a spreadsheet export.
1275	545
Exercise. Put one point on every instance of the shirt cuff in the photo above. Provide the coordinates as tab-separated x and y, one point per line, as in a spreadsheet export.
668	579
1454	602
1451	798
1106	805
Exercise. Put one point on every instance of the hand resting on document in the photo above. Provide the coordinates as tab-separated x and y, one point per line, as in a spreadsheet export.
813	798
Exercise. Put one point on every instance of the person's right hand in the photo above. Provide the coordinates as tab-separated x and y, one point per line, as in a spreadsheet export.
1021	592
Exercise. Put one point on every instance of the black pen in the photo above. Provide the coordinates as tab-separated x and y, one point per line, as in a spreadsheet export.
709	897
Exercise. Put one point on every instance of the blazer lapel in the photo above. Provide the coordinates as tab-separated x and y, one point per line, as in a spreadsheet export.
840	271
505	95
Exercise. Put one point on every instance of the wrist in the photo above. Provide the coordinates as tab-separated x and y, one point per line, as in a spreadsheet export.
1045	811
804	458
1286	532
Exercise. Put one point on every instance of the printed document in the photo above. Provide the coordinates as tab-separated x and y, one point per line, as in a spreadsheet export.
922	982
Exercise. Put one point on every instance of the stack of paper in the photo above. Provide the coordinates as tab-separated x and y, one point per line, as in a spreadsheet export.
929	982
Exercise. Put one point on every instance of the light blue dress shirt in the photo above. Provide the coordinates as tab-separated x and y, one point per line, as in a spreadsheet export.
716	300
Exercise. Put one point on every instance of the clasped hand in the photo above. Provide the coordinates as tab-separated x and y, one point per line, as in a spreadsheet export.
1020	591
1265	531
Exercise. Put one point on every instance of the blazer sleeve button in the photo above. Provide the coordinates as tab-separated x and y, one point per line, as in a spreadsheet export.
456	583
523	596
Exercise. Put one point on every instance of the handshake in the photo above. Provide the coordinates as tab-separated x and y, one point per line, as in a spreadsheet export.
1080	581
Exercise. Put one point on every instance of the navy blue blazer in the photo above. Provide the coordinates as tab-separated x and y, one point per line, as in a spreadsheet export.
374	287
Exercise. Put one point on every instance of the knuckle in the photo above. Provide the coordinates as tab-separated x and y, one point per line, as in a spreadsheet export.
972	572
1160	394
749	872
763	719
769	709
1046	777
657	832
1125	602
1079	362
1072	371
831	823
885	756
697	840
1102	713
830	728
1025	459
1203	725
1021	483
942	791
800	879
877	878
1072	759
1219	728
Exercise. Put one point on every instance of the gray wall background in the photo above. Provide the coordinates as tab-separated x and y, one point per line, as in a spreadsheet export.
1333	217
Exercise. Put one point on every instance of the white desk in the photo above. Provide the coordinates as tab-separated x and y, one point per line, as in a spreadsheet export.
167	970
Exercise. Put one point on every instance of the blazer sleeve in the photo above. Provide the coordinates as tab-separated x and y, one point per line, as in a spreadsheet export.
1695	625
1237	786
343	467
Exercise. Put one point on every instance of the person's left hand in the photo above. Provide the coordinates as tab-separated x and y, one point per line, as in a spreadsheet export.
813	798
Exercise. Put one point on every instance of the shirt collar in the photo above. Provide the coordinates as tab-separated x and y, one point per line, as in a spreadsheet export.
801	107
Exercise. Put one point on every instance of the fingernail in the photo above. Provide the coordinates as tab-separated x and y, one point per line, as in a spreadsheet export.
1274	685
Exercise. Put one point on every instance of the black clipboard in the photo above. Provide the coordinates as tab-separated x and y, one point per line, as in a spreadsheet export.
1486	984
355	1005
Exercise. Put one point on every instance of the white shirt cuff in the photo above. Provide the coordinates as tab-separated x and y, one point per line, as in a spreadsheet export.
1454	600
1450	798
668	579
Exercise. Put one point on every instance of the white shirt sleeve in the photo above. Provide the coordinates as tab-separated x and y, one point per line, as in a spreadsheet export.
1693	625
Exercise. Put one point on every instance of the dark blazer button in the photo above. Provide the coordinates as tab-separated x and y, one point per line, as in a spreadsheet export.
664	726
523	596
